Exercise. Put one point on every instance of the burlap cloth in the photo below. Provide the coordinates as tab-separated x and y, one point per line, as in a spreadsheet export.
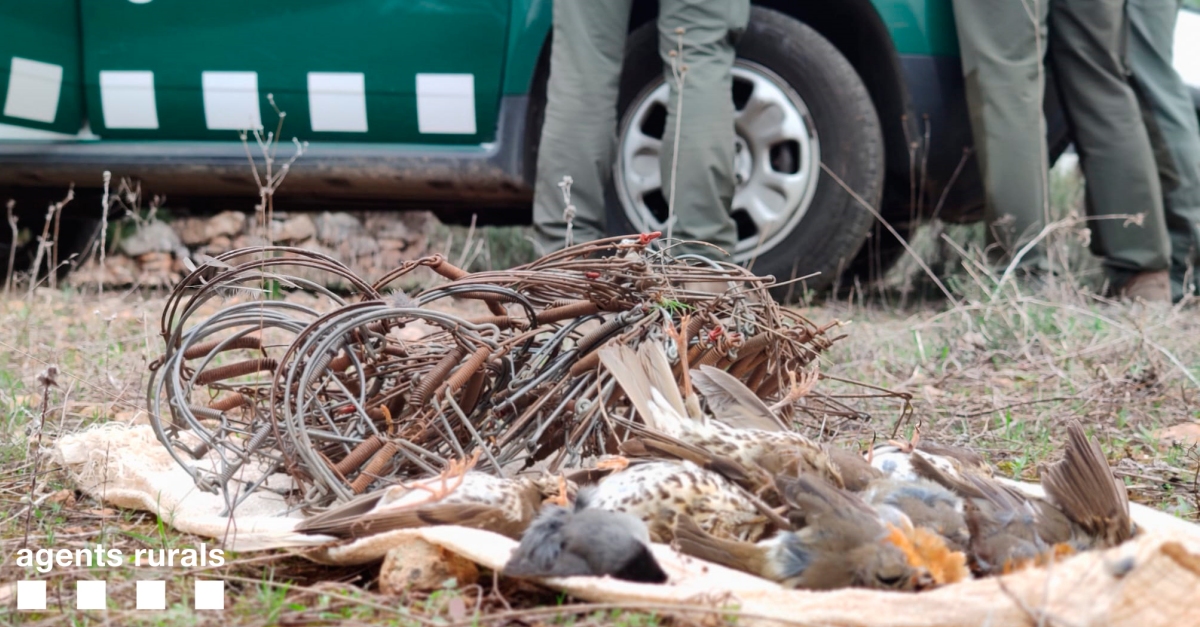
1153	580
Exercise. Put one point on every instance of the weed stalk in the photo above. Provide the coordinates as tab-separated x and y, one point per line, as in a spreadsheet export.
47	379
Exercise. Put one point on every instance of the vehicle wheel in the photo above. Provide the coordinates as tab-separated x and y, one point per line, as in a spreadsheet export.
798	103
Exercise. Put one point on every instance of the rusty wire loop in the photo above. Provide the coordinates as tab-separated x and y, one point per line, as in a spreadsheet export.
366	385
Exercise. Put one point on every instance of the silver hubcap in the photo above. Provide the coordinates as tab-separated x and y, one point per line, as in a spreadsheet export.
776	159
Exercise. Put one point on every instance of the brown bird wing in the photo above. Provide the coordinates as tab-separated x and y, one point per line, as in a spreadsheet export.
694	541
622	361
820	503
732	403
337	517
657	369
474	515
638	372
855	471
1084	488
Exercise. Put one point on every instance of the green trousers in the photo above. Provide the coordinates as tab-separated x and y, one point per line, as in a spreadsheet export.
579	132
1004	43
1171	119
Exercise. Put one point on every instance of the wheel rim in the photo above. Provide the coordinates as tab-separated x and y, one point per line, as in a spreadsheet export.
776	159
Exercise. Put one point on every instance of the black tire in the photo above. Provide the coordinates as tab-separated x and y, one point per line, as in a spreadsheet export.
829	235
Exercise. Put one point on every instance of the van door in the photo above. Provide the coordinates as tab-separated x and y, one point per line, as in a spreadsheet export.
409	71
40	72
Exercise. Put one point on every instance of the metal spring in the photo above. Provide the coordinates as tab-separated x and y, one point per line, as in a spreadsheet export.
454	273
472	392
206	413
469	368
755	345
443	267
746	365
589	341
358	455
339	363
587	363
374	467
503	322
436	375
236	369
709	358
255	441
204	348
229	402
571	309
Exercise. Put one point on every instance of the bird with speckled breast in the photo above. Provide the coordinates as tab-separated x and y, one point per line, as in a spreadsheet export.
746	431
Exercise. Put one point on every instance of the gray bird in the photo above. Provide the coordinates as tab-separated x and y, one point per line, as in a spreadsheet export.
591	542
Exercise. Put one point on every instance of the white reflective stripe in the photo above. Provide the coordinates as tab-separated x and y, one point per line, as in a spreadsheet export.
1187	47
127	99
337	101
33	90
446	103
231	100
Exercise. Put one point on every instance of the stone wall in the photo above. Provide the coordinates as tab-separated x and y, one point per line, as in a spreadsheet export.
152	253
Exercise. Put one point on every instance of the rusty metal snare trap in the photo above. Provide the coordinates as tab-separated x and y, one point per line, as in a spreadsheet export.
325	401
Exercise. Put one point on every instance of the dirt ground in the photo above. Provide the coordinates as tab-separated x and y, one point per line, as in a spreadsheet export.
1001	375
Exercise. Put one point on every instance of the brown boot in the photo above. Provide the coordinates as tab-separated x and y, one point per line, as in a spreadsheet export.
1148	286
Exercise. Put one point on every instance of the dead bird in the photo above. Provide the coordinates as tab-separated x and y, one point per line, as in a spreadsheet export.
1085	507
1006	527
587	542
745	432
457	497
924	504
844	543
655	491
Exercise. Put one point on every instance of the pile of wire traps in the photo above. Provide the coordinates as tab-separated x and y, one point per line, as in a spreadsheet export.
272	381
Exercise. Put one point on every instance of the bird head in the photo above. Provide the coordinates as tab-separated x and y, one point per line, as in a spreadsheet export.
885	566
928	553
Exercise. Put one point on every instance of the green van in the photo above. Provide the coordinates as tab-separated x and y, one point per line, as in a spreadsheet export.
419	103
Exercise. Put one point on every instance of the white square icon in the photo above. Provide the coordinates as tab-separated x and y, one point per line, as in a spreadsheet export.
33	90
31	595
127	99
210	594
90	595
151	595
337	101
231	100
446	103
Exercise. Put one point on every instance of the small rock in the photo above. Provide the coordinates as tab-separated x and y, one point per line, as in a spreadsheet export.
158	263
419	565
1185	434
333	228
227	223
219	244
246	241
192	231
295	229
353	247
386	243
152	237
